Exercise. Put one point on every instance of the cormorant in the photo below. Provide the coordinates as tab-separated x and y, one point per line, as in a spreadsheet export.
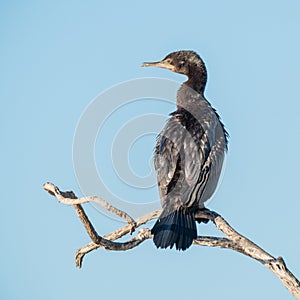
189	154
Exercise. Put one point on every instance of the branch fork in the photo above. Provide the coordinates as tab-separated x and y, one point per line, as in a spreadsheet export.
232	240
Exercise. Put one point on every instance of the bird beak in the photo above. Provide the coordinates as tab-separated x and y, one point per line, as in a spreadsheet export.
159	64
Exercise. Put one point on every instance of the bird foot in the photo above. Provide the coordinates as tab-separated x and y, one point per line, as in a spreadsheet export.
202	220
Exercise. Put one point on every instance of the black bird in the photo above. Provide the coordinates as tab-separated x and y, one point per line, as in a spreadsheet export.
189	154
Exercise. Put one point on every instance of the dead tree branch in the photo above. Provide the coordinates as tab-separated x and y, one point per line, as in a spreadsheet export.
233	239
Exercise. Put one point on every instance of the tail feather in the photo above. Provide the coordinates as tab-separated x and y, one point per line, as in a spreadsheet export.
177	228
183	236
172	220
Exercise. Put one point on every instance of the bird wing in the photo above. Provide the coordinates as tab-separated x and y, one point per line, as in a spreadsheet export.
181	151
196	148
167	158
196	164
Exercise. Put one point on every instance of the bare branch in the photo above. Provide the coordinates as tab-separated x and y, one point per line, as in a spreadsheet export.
233	239
249	248
80	253
239	243
69	198
66	198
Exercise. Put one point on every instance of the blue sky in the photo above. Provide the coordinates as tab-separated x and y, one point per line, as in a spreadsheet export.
57	56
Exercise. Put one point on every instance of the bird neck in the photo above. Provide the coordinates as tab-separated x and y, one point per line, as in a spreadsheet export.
197	80
196	85
188	95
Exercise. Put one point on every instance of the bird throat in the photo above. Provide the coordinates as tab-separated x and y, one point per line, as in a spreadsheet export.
197	82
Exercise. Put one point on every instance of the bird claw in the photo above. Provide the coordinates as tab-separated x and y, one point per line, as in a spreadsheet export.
202	220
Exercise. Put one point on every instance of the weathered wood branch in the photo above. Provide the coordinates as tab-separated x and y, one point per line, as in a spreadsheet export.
233	239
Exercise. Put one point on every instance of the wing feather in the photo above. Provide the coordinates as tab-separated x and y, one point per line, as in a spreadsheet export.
167	151
181	150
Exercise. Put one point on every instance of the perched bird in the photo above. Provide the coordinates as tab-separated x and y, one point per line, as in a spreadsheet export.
189	154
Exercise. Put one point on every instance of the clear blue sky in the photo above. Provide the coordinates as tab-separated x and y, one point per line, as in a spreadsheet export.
56	56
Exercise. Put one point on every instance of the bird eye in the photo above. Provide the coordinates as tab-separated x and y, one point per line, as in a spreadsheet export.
169	60
181	63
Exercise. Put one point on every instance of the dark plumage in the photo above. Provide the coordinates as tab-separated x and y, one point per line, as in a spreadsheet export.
189	154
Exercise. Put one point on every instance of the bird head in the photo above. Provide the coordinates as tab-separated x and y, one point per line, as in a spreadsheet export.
185	62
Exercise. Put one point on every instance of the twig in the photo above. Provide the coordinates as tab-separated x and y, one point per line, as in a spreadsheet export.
69	198
80	253
233	240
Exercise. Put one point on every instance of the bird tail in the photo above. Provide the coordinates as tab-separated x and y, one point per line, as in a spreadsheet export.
177	228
